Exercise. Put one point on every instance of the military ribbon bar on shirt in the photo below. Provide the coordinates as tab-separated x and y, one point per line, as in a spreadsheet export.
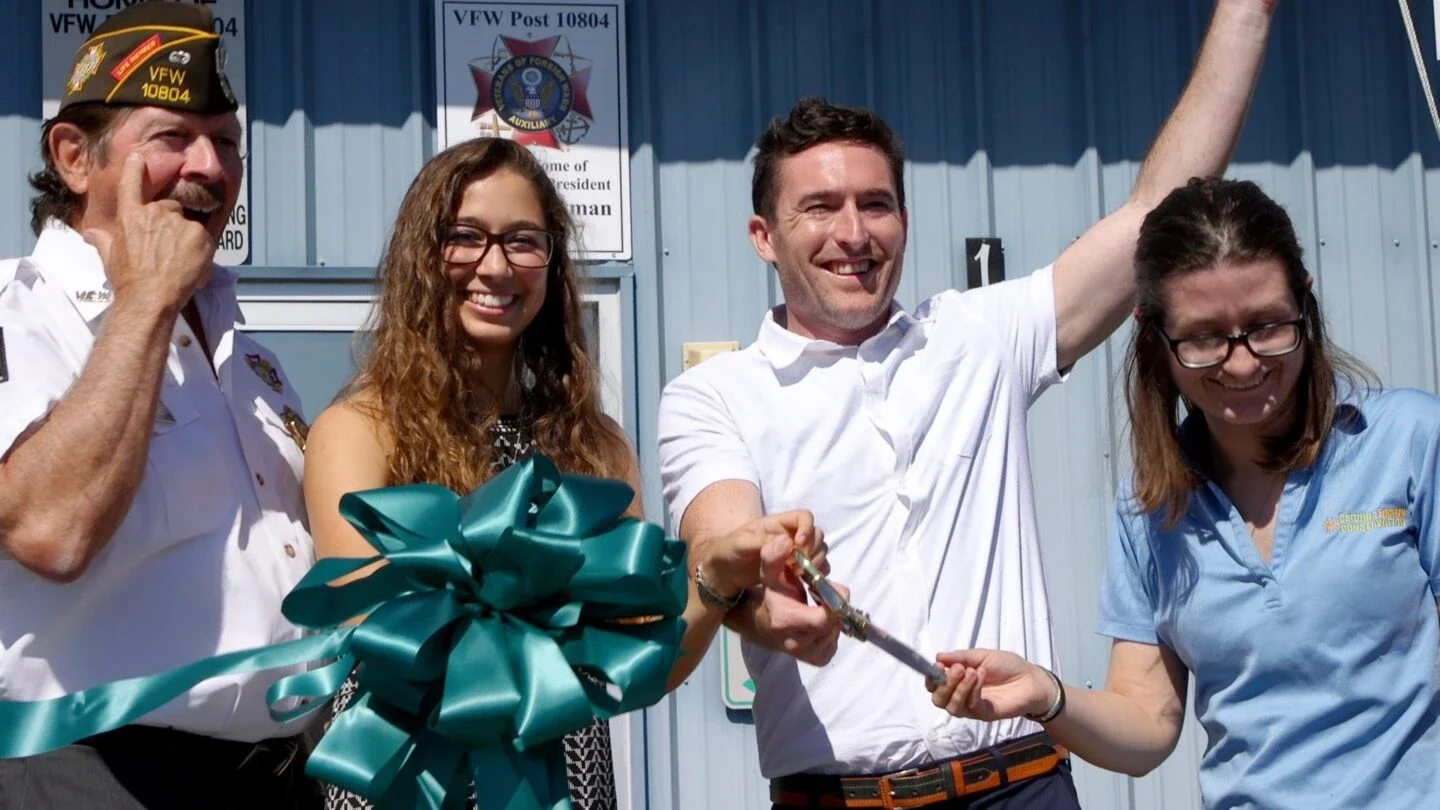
486	609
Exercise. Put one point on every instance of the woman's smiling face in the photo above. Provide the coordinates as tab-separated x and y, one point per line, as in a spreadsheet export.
1245	389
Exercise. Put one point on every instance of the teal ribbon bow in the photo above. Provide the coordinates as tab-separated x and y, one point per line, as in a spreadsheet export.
497	625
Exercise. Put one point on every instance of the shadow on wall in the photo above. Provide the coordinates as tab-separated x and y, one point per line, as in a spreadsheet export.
1032	83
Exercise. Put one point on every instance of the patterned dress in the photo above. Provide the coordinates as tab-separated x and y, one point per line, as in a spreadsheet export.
588	765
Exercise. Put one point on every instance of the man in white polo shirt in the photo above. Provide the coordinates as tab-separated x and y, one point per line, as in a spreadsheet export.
905	435
150	453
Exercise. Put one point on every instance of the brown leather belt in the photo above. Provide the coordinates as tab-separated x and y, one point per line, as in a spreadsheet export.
1019	759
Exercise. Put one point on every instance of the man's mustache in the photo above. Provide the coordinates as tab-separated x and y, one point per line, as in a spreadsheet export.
197	195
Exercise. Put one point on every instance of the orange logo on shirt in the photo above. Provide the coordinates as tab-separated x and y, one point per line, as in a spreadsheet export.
1355	522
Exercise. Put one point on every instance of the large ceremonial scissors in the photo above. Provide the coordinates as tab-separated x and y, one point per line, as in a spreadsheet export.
856	623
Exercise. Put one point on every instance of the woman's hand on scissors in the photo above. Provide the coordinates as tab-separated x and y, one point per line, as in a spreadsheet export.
991	685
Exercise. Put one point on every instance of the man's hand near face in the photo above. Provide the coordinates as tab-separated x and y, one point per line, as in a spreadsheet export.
155	253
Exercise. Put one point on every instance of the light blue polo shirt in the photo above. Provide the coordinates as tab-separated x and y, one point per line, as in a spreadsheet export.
1315	676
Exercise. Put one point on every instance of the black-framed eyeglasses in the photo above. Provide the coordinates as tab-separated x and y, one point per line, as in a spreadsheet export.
1270	340
523	247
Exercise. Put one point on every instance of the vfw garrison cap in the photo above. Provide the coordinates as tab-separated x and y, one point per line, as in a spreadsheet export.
156	53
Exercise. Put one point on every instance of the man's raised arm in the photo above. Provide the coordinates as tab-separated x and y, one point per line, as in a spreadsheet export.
1095	277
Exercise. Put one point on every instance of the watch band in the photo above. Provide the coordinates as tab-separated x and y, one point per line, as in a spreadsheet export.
714	597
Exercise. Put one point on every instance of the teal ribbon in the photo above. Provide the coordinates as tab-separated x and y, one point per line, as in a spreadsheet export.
494	628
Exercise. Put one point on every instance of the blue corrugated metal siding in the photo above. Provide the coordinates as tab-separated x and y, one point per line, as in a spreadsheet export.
342	104
1025	121
19	122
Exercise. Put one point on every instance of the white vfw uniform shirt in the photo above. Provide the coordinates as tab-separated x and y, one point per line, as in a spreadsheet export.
216	535
911	450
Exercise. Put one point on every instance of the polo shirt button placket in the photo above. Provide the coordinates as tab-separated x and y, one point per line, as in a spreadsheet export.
1271	590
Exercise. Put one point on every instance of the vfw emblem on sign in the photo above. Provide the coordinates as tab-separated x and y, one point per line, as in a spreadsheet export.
534	90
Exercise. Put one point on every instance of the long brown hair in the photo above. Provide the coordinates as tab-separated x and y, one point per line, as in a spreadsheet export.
1199	226
420	377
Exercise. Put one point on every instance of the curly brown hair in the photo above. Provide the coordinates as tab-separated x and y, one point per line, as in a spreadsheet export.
419	375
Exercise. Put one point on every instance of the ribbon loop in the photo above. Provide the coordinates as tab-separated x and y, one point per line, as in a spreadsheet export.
494	637
490	635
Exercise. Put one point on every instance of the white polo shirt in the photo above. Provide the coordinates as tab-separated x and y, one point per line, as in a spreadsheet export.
216	535
911	450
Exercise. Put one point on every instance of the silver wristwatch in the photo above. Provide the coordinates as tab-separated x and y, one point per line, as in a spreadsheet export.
713	596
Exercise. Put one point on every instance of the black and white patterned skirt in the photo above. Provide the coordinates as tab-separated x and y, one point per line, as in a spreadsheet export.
589	768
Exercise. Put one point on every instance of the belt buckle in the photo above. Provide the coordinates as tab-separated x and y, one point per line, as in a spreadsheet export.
887	781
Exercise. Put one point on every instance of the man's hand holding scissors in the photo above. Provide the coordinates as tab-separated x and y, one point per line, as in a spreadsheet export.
808	631
758	557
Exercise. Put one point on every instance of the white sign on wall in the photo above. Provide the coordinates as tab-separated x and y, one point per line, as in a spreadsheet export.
738	688
66	24
550	76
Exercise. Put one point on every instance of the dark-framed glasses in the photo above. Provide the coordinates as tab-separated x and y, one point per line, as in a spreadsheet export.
1270	340
523	247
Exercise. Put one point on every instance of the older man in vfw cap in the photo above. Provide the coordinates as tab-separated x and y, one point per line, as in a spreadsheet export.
150	454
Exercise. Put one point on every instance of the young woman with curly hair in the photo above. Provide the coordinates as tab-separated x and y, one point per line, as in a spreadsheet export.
477	359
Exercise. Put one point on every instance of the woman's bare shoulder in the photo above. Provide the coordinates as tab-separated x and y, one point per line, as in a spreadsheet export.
353	420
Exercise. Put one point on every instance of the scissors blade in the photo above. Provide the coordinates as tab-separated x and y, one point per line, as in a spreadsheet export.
905	654
856	622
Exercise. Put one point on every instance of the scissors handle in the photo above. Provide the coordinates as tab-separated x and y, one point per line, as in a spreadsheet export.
853	621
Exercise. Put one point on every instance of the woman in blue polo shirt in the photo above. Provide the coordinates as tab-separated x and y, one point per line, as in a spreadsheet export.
1279	543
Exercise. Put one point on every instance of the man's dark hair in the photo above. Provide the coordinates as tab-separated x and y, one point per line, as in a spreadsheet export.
54	199
814	121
